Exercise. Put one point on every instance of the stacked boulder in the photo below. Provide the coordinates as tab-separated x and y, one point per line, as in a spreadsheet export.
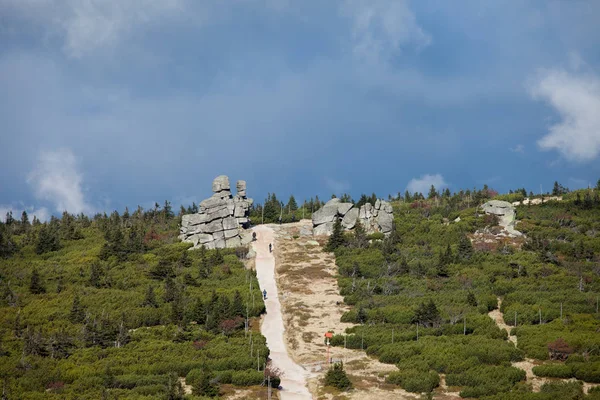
506	214
221	219
377	218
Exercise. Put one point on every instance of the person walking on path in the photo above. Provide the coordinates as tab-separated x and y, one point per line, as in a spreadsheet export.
270	248
264	294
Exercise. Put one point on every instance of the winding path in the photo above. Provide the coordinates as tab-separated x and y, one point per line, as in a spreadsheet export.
293	380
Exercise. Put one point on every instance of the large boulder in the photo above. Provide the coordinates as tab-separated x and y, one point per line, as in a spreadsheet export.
506	214
325	214
241	188
386	222
343	208
323	229
349	220
378	218
220	183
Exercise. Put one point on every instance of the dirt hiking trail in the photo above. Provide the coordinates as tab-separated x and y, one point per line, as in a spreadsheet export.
312	305
293	380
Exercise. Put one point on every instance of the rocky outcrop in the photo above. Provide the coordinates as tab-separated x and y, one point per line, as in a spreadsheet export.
506	214
221	219
377	218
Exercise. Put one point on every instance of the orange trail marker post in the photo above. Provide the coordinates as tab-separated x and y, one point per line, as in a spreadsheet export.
328	336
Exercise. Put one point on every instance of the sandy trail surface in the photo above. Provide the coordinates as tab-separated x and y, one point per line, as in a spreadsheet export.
312	305
294	378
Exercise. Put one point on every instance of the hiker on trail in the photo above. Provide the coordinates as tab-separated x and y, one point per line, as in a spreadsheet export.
270	248
254	236
279	220
264	294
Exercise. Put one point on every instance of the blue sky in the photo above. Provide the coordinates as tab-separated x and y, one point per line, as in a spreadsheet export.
113	103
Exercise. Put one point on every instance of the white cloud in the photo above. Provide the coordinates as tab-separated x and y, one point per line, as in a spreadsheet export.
518	149
85	25
41	213
382	27
576	98
57	179
423	184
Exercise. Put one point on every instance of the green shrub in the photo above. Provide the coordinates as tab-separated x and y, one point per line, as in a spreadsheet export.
247	378
554	371
337	378
415	380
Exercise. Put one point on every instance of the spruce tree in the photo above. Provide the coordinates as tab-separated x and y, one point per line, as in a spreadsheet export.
170	290
292	205
205	386
177	308
150	299
465	248
471	300
77	314
237	306
199	312
97	276
337	237
184	261
442	265
337	377
48	239
360	235
432	193
36	286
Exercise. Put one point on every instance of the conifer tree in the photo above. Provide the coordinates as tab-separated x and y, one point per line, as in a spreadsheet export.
360	235
150	298
97	275
184	260
199	312
205	387
291	205
471	300
170	290
36	286
48	239
427	314
25	219
432	193
465	248
337	377
77	314
337	237
237	306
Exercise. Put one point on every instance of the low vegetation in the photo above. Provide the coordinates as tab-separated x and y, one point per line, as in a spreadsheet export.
421	296
116	307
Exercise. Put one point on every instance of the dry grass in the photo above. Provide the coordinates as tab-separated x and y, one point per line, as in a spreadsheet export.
309	336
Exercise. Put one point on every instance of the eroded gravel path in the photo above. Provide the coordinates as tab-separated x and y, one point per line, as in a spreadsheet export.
294	378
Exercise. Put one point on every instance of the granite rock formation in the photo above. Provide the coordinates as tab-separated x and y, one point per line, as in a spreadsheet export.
378	218
506	214
221	219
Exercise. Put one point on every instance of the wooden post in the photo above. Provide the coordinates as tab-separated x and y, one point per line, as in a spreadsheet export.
465	326
540	315
560	310
362	340
515	318
417	331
